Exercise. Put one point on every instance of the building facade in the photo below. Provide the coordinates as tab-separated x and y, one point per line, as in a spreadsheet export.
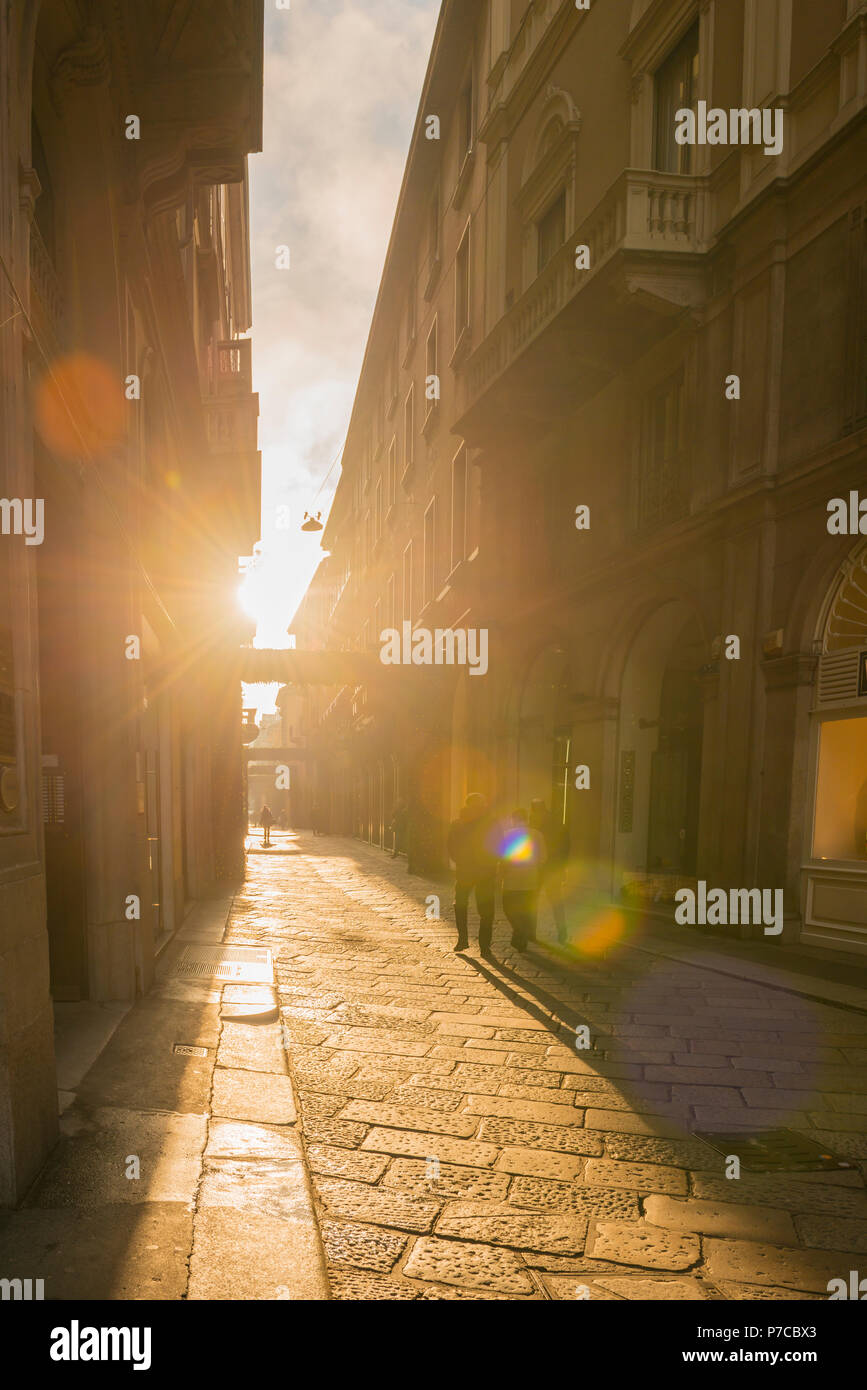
650	368
128	423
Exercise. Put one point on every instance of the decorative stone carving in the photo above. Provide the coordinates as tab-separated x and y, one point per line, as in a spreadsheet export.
85	63
29	189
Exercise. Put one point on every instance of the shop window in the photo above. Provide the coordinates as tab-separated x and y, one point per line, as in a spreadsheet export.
840	826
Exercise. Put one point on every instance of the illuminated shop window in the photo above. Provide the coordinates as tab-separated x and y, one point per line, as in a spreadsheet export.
840	828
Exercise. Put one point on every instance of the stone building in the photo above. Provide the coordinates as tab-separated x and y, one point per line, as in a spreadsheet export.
127	417
651	358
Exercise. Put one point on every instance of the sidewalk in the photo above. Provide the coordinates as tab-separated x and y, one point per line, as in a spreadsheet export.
831	977
177	1176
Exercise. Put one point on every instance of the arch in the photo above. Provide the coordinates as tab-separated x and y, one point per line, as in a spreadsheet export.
842	621
815	592
559	115
613	667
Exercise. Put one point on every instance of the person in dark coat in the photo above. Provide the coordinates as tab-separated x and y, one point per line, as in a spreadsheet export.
266	820
472	847
553	874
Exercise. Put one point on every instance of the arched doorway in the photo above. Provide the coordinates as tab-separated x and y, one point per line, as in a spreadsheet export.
834	874
659	752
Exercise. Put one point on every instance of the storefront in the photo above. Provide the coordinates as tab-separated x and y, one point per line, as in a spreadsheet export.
834	872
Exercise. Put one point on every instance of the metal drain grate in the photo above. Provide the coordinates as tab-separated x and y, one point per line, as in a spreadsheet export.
252	964
773	1151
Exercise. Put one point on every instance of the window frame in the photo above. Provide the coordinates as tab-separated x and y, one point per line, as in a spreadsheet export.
408	432
459	551
685	155
429	577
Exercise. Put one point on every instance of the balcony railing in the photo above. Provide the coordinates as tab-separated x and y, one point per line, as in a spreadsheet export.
643	211
232	367
231	424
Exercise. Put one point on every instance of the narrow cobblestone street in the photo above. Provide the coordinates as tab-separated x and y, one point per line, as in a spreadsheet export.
462	1147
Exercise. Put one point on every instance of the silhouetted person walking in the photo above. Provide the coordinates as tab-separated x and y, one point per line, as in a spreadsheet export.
473	850
522	856
553	873
266	820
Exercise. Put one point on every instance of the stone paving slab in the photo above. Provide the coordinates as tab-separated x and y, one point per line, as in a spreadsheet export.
462	1148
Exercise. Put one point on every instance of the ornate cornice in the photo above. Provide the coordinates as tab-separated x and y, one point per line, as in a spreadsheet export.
784	672
85	63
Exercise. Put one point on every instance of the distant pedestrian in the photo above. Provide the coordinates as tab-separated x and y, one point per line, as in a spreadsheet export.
522	856
266	820
554	871
397	827
317	816
473	850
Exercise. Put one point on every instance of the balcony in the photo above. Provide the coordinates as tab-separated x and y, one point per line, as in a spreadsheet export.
232	367
234	464
571	329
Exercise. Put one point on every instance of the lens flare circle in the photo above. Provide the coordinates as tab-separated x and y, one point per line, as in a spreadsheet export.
79	407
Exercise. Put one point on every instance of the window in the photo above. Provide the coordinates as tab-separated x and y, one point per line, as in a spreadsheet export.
433	228
466	122
661	479
409	430
411	325
378	425
459	506
675	90
551	229
377	512
377	619
840	828
365	635
430	558
407	584
390	612
391	476
462	286
431	384
433	245
393	379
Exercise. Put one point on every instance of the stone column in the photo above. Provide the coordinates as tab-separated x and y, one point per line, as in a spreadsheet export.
785	810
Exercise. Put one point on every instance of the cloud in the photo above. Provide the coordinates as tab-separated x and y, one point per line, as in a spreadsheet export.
342	85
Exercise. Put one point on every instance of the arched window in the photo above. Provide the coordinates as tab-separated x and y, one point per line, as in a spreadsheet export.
548	196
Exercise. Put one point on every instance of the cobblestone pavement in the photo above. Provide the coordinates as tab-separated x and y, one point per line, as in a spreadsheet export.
462	1148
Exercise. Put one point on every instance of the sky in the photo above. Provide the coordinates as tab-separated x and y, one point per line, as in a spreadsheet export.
343	80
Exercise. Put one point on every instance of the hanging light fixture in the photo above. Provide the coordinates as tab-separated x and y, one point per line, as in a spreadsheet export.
312	523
